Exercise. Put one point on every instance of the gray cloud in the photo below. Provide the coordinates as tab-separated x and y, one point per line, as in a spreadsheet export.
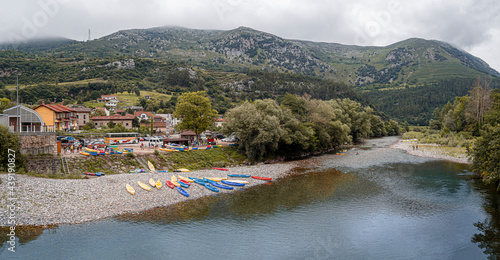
469	24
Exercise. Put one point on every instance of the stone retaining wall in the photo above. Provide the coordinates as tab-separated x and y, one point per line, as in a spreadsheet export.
37	143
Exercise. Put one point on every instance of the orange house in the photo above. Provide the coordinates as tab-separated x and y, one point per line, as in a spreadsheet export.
58	117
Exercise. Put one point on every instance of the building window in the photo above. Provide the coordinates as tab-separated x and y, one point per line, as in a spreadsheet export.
95	123
84	116
126	124
84	122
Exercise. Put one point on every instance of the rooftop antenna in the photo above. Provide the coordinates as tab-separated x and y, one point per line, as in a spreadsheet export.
89	35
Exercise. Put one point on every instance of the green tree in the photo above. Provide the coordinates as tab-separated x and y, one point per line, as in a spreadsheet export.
486	155
10	144
99	112
4	104
196	112
111	124
135	122
258	127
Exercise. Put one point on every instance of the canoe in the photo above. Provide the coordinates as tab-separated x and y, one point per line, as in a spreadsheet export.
181	170
175	183
162	171
238	175
184	178
184	185
220	169
182	191
152	182
98	174
84	153
130	189
151	166
262	178
89	173
222	186
217	178
173	178
200	181
170	184
144	186
158	184
88	150
232	183
210	187
238	181
185	182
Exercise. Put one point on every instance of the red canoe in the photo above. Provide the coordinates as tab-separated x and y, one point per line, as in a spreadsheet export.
262	178
186	182
220	169
170	184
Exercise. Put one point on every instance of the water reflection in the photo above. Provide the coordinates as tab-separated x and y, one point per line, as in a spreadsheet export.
488	238
286	194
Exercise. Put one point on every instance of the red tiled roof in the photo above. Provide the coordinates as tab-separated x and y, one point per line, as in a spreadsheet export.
109	96
139	113
114	117
56	108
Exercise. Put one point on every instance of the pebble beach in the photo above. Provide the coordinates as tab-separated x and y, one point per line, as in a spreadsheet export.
42	201
429	151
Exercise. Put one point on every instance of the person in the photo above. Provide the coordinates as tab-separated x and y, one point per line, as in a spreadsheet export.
142	146
416	146
413	146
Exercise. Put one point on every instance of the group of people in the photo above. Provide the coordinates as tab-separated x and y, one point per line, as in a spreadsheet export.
72	148
415	147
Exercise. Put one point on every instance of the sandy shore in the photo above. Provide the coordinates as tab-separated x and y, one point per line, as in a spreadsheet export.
430	151
41	201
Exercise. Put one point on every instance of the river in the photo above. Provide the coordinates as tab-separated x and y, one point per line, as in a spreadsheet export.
380	204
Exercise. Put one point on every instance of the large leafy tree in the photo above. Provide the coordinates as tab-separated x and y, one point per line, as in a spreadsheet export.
196	112
486	155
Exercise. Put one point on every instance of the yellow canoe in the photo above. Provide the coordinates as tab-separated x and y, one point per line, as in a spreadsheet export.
167	150
130	189
151	166
84	153
158	184
216	178
175	183
173	178
238	181
184	178
183	170
144	186
152	182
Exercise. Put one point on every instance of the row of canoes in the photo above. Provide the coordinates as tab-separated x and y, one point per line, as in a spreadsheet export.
186	148
211	183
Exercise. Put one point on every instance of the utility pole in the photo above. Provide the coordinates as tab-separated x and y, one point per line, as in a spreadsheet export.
18	106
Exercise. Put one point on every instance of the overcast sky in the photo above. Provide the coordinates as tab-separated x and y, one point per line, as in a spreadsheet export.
472	25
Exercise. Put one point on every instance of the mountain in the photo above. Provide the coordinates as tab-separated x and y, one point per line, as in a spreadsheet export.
405	80
38	46
410	62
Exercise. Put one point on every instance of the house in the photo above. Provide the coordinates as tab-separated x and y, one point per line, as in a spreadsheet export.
159	124
120	111
82	115
147	97
171	119
125	120
111	103
31	121
189	135
146	115
57	116
220	121
109	97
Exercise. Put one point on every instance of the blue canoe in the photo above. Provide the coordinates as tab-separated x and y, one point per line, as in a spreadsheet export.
222	186
183	184
162	171
210	187
233	183
199	181
182	191
238	175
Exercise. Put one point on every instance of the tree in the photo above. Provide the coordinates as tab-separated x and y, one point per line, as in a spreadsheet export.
111	124
486	155
258	127
99	112
4	104
196	112
135	122
89	125
479	104
10	144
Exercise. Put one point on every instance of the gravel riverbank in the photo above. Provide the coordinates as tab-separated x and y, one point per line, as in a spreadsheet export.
432	151
43	201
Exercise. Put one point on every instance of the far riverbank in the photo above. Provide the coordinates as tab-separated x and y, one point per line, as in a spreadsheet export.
454	154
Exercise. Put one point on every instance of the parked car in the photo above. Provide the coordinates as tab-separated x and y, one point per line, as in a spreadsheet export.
99	144
230	139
